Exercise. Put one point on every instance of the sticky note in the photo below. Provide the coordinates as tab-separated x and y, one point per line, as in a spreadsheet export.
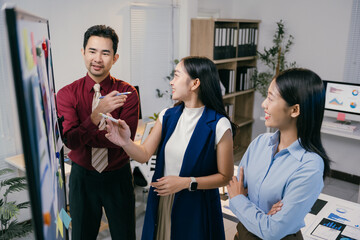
60	180
47	218
65	218
59	225
28	58
33	48
341	116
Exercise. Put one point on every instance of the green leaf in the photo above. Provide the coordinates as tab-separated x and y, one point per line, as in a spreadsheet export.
15	188
168	78
273	57
155	116
16	229
6	170
159	93
24	205
13	181
8	211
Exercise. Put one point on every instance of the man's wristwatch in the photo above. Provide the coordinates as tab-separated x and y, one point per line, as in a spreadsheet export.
193	184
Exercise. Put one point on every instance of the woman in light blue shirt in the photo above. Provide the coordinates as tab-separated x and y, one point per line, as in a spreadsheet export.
282	173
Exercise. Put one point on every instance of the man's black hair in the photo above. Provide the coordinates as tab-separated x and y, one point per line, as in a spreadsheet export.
102	31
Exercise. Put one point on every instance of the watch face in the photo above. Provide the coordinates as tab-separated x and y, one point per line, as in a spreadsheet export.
193	186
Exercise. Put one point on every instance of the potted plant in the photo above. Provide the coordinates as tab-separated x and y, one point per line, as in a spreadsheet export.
274	59
168	78
160	93
10	227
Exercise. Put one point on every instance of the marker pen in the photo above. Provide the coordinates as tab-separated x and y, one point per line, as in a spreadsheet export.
118	94
108	117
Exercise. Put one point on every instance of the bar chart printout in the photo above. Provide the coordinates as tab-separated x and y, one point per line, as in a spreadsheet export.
332	230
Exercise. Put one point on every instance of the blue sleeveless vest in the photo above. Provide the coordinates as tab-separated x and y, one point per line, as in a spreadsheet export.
195	215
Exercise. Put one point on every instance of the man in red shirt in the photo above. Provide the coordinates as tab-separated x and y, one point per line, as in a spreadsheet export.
110	187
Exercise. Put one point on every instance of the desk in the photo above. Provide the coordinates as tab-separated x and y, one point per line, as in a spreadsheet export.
19	163
147	169
335	208
139	131
337	219
353	135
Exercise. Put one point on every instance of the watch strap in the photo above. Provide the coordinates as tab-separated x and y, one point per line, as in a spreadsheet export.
193	180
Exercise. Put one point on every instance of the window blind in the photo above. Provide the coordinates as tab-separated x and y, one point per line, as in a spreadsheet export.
153	48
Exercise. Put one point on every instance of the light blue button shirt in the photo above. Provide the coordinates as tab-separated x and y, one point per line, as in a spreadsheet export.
292	175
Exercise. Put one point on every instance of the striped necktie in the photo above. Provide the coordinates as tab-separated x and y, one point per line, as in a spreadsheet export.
99	156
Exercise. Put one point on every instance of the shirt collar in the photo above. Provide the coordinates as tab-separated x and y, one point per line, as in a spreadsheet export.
104	84
274	138
295	149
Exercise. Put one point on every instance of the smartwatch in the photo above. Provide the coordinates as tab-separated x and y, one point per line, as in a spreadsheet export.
193	184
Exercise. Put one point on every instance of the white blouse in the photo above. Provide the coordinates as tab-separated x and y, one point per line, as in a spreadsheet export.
176	146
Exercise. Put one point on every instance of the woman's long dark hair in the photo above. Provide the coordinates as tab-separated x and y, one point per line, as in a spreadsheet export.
209	92
304	87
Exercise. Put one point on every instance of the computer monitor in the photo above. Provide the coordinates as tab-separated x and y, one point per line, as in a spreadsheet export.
137	89
342	97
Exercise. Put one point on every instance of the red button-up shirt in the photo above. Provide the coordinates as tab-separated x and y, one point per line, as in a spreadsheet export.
74	103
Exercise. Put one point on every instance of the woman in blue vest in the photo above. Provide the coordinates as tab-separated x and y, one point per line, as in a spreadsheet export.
194	157
287	166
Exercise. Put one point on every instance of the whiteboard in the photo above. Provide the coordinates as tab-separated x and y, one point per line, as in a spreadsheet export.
30	48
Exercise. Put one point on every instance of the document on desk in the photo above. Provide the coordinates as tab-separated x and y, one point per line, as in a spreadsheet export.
332	230
346	214
338	222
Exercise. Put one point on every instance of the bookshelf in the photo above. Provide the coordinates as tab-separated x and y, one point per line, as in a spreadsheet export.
232	45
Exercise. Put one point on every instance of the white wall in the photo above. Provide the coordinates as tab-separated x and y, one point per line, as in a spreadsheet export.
320	29
68	22
70	19
188	10
223	8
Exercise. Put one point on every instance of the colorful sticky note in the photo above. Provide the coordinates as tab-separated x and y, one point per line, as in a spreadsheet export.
65	218
60	180
341	116
47	218
59	226
28	58
33	48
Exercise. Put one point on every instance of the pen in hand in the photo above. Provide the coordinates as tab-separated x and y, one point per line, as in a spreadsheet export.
108	117
118	94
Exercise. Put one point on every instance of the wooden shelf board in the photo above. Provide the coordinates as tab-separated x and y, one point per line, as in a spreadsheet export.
234	94
227	60
236	20
238	154
244	121
229	20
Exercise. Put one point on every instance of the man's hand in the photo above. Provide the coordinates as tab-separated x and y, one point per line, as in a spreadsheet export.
236	187
106	105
